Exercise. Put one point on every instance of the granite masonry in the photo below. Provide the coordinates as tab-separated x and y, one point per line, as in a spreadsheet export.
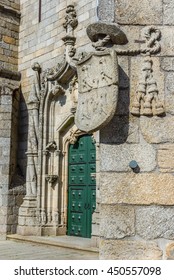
101	68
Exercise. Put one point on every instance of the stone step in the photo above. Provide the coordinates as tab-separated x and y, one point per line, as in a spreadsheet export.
64	241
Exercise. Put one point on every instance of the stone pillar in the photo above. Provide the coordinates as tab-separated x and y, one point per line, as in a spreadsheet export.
27	224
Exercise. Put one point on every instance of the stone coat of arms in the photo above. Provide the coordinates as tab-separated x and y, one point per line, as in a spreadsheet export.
98	90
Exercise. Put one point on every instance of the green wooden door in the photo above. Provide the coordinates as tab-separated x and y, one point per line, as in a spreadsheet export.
81	186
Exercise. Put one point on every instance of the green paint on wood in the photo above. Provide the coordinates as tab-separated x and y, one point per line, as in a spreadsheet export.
81	186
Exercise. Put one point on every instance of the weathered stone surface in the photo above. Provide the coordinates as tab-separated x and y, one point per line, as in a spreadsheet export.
167	63
121	130
129	250
157	129
142	189
139	12
170	251
120	221
165	158
167	44
106	10
168	9
169	93
118	157
155	222
123	103
133	35
123	64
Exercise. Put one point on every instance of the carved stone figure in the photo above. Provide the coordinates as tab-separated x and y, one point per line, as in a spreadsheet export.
147	93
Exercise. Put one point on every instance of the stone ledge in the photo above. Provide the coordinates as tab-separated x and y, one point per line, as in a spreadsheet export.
13	12
12	75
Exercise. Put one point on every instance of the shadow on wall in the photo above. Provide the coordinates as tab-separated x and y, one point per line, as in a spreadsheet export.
117	131
17	189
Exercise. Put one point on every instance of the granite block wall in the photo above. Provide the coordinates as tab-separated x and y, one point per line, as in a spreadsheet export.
137	208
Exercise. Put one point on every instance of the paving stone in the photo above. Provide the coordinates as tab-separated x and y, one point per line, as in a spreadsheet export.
10	250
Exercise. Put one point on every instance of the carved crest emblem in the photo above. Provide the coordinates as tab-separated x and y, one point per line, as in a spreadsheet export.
98	90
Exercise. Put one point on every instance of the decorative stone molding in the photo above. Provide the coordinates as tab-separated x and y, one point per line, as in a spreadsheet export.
152	36
51	146
11	11
51	178
8	74
73	135
146	101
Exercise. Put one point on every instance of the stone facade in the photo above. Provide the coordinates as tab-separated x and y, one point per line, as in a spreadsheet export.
137	206
49	98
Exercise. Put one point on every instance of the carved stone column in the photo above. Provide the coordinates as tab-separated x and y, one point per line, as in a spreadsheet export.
28	210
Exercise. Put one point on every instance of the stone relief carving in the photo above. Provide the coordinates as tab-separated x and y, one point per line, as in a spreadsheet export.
73	135
73	88
70	24
146	101
98	90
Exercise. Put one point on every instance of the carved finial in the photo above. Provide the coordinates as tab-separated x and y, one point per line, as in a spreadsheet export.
36	67
71	21
70	24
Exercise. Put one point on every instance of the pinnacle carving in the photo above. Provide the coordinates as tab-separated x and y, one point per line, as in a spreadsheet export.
70	24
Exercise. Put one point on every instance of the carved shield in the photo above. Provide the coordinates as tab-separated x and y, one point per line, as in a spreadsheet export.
98	90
